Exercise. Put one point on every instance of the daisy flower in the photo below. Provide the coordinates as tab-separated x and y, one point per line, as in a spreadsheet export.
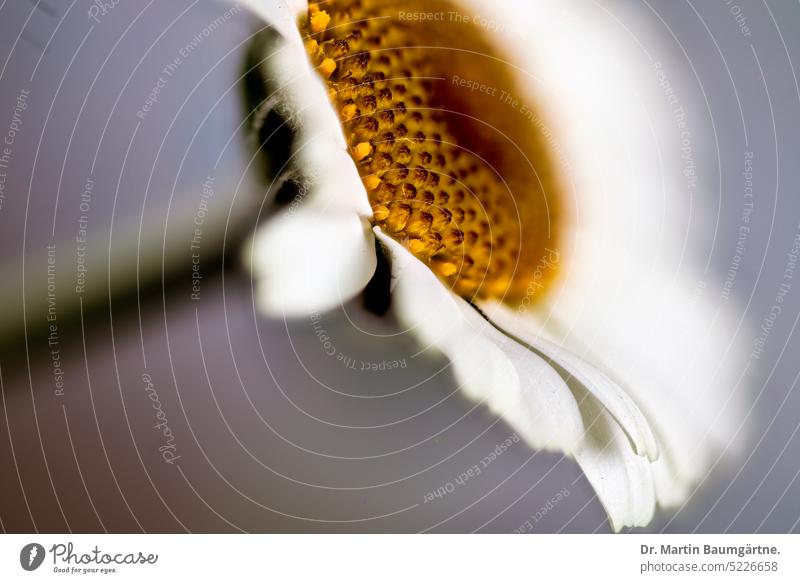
502	161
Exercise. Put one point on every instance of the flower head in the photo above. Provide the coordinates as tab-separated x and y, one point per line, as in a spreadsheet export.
467	151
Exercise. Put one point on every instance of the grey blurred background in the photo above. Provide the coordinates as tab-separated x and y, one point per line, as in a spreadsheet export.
269	427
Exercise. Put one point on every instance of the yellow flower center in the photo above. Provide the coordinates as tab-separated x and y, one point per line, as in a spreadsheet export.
451	154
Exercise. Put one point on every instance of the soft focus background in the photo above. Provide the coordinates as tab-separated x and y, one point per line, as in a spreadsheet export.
121	118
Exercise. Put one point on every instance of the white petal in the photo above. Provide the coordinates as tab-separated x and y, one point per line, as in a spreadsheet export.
616	401
512	381
672	490
331	176
622	477
320	252
622	480
296	7
321	161
282	14
308	261
553	419
676	350
307	106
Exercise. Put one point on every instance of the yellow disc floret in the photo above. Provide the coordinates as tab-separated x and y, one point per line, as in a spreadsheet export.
454	173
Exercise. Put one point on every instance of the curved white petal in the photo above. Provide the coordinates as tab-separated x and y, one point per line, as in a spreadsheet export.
675	350
281	14
552	417
319	160
512	381
318	253
525	390
622	480
615	400
308	261
622	475
672	489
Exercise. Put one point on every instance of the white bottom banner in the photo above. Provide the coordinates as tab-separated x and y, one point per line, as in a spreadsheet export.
401	558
